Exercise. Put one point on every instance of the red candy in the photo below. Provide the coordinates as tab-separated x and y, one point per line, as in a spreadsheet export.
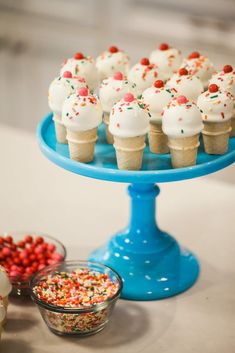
194	55
159	84
227	69
118	76
163	46
182	100
78	56
113	49
183	72
67	74
145	61
27	256
213	88
83	91
128	97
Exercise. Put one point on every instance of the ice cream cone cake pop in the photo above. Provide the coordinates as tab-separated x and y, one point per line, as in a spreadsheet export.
5	288
200	66
111	61
60	88
83	66
129	122
183	84
142	75
82	114
111	91
182	123
156	98
225	79
217	109
167	59
2	318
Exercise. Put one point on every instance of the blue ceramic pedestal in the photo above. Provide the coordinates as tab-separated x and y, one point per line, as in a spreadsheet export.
150	261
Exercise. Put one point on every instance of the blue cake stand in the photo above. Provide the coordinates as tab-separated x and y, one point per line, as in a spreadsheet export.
150	261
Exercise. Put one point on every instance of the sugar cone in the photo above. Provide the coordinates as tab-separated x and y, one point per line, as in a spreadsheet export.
157	139
109	136
82	144
183	151
215	136
232	133
60	130
129	152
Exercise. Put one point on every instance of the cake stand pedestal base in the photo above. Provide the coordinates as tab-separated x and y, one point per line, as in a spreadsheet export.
150	261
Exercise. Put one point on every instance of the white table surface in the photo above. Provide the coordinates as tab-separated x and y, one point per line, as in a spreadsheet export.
37	195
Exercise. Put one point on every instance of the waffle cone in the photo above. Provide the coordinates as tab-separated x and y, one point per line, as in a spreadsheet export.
60	130
157	139
232	133
215	136
109	136
183	151
82	144
129	152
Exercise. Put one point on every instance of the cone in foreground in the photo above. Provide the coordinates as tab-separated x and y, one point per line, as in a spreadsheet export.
60	130
82	145
109	136
182	122
129	123
129	152
216	136
183	151
217	110
81	114
2	318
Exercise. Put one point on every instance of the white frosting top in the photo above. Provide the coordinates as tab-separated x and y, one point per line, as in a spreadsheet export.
84	67
168	61
199	66
156	99
60	88
225	81
81	112
143	76
129	118
216	106
5	284
2	312
112	90
186	85
181	118
112	61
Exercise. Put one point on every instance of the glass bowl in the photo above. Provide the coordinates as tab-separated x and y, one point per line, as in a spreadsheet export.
20	286
76	321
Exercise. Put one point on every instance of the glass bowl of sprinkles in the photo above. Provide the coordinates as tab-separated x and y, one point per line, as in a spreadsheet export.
76	297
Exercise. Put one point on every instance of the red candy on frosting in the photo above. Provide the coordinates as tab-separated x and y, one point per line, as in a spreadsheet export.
183	72
128	97
67	74
213	88
113	49
194	55
182	100
159	84
163	46
83	91
118	76
78	56
227	69
145	61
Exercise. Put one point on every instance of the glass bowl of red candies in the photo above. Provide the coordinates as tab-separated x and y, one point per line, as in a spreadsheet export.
24	253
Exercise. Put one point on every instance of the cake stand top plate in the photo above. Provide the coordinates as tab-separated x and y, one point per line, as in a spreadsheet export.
155	169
